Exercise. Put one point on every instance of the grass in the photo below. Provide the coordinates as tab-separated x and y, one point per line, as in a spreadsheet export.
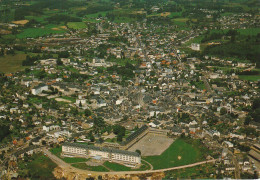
250	77
175	14
38	32
72	99
56	151
201	172
39	167
10	63
119	167
74	160
181	19
250	31
76	25
200	85
116	166
169	158
90	168
194	40
35	100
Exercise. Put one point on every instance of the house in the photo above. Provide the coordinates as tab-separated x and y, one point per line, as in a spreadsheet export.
176	130
38	89
155	124
228	144
195	46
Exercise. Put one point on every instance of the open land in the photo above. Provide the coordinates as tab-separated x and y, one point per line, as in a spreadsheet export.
152	144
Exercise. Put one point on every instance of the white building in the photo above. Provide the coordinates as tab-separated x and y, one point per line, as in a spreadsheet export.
120	156
38	89
195	46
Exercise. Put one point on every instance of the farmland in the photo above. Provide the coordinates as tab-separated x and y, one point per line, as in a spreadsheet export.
37	32
11	63
250	77
76	25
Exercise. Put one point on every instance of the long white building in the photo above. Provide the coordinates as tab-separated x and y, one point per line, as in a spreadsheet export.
114	155
38	89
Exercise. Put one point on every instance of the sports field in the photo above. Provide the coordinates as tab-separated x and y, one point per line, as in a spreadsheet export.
179	153
152	144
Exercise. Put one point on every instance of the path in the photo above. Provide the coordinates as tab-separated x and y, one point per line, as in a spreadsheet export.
151	166
68	167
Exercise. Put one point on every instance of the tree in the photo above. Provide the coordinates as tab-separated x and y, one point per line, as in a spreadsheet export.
80	104
223	111
92	138
59	62
119	138
138	151
99	123
43	142
87	112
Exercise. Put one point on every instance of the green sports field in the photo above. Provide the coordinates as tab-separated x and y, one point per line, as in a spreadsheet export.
179	153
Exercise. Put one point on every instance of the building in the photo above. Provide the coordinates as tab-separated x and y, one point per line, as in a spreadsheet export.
195	46
115	155
134	137
38	89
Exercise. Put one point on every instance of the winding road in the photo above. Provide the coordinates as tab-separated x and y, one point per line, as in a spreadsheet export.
68	167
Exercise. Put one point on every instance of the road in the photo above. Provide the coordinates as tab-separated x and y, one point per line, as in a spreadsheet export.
138	42
72	169
237	170
208	87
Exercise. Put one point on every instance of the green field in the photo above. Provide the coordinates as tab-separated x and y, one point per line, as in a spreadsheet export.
175	14
39	167
76	25
120	167
10	63
74	160
169	158
194	40
250	77
116	167
38	32
181	19
250	31
198	172
90	168
72	99
56	151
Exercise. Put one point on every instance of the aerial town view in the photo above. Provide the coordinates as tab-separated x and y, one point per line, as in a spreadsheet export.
129	89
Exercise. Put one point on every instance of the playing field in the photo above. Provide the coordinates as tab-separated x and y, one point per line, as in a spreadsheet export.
179	153
152	144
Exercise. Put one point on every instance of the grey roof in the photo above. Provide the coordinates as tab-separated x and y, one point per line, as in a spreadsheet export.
135	134
25	150
110	150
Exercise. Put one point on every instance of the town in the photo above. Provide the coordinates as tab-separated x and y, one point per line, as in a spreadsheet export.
119	97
